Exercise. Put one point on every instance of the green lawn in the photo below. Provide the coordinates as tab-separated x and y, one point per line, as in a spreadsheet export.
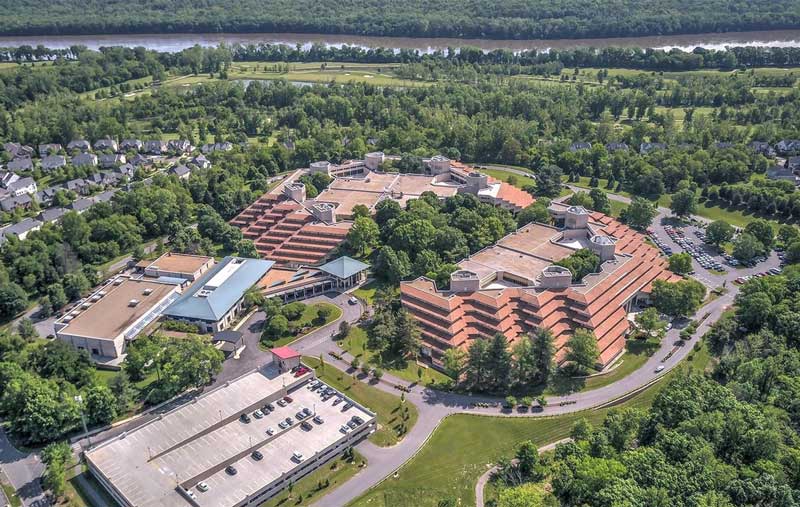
367	291
305	491
11	493
617	207
306	324
356	344
386	406
517	180
462	447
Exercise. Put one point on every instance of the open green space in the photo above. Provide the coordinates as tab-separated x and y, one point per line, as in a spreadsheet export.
367	291
463	446
356	345
516	179
318	483
11	494
305	324
388	407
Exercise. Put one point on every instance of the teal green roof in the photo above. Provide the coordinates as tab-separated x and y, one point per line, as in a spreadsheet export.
344	267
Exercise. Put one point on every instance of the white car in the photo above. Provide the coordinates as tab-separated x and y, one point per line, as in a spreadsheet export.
353	300
202	486
660	368
270	431
298	456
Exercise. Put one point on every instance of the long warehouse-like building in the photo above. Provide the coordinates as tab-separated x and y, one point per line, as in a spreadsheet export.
514	286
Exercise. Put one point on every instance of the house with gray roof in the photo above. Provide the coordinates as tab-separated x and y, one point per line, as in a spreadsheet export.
22	186
645	148
81	205
51	215
214	301
580	146
210	148
179	146
616	147
181	171
22	228
139	160
52	162
78	185
105	196
17	150
201	161
7	178
346	271
79	145
45	197
106	144
125	170
84	160
13	202
788	146
49	149
130	145
155	147
20	164
110	160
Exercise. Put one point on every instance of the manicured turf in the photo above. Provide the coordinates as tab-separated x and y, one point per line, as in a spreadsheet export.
386	406
306	323
519	180
356	344
307	489
462	447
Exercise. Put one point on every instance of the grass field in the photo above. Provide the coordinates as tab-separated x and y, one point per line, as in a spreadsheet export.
463	446
518	180
356	344
306	323
305	491
386	406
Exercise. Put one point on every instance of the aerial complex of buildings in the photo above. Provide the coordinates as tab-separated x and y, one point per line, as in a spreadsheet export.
293	230
238	444
514	286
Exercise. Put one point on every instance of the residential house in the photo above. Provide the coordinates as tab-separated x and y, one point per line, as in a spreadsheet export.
130	145
20	164
210	148
201	161
616	147
179	146
7	178
81	205
155	147
139	160
45	197
52	162
22	186
21	229
580	146
723	145
289	145
13	202
17	150
111	160
788	147
763	148
49	149
51	215
84	159
105	196
793	163
180	171
125	170
782	174
79	145
646	148
106	145
78	185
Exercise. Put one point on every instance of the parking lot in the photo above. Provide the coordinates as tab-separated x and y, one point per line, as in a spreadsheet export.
710	266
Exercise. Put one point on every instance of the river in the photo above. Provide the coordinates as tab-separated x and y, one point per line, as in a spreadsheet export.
177	42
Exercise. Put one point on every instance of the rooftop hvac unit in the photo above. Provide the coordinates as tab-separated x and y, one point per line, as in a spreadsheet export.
147	292
133	302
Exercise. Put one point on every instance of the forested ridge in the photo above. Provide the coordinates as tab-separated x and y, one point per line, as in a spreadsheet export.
508	19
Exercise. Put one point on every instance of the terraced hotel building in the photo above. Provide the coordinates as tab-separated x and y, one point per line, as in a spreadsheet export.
513	286
291	229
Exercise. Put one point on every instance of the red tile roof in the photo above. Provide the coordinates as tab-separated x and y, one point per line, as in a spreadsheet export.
284	352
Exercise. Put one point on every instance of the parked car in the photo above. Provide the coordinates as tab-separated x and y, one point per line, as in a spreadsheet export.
270	431
306	426
659	368
244	418
297	456
318	419
202	486
353	300
257	455
288	399
282	403
231	470
258	414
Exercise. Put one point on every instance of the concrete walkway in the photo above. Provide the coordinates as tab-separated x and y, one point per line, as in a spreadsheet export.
484	479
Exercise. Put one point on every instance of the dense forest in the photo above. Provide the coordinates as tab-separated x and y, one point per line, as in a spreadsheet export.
508	19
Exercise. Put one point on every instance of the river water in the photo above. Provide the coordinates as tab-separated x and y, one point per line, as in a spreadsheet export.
177	42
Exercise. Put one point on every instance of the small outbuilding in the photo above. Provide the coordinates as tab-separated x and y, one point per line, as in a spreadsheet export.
285	358
228	340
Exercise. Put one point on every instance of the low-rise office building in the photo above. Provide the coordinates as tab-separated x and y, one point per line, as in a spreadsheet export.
215	299
206	454
114	314
176	265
